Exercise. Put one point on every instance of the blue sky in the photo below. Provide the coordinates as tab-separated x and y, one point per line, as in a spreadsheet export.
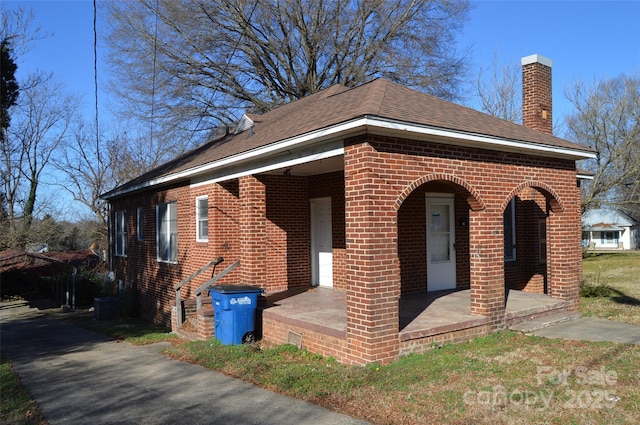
587	41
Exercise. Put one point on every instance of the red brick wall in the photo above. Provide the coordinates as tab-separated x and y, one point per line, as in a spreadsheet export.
253	231
288	250
264	222
373	271
564	254
153	280
316	342
422	345
224	204
537	97
272	241
378	172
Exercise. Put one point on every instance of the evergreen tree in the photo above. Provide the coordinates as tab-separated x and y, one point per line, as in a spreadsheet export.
9	88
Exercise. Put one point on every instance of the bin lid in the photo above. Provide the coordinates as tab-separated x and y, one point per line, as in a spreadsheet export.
235	288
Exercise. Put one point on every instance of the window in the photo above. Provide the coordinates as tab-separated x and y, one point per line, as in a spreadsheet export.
167	242
510	231
609	238
140	223
202	218
121	233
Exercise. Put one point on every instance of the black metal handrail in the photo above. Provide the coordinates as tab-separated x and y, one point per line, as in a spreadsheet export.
210	282
179	285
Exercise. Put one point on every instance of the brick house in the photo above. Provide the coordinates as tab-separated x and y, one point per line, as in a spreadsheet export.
352	205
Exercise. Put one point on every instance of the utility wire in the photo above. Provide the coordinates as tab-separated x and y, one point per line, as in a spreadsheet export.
95	75
153	83
226	67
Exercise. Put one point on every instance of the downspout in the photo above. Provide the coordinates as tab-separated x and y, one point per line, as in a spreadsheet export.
110	241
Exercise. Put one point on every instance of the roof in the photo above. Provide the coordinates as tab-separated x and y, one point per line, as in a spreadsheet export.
606	219
585	174
605	227
21	260
380	103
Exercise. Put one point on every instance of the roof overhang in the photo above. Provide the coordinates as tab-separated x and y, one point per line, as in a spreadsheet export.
475	140
582	176
609	228
328	142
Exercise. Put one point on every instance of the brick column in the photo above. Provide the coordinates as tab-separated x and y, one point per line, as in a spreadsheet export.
564	252
372	274
253	205
486	249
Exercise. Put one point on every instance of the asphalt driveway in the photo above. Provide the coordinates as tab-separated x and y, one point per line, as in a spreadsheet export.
80	377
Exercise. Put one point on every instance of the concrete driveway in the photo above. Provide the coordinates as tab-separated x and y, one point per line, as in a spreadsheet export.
80	377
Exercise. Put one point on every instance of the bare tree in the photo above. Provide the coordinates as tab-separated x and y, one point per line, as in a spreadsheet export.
94	165
499	90
197	65
86	165
18	29
41	120
607	119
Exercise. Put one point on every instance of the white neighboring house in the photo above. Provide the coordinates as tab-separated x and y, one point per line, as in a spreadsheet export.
609	229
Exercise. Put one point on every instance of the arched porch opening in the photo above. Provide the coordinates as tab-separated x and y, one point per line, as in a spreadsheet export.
433	241
526	220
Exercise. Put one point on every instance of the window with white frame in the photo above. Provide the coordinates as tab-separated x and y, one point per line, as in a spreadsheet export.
167	232
510	231
140	223
609	238
120	228
202	218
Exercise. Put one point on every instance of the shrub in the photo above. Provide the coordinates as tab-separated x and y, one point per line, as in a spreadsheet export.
589	290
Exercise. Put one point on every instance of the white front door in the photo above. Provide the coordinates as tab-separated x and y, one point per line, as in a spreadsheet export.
441	255
321	242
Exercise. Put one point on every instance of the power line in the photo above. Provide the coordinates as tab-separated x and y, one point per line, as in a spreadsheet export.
95	75
153	83
215	89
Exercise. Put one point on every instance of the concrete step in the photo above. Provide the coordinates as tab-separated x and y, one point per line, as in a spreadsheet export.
544	321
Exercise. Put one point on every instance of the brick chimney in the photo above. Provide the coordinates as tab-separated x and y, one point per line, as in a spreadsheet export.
536	93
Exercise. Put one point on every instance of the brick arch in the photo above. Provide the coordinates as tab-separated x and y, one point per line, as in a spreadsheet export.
473	198
555	203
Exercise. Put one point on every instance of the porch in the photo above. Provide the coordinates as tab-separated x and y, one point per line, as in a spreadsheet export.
306	315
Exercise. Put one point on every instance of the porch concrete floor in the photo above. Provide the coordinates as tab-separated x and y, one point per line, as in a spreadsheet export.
421	315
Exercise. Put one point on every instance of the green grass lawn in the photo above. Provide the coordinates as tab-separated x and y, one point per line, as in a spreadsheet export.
16	405
505	378
620	272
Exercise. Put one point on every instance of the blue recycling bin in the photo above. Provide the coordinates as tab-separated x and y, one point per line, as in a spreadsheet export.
234	313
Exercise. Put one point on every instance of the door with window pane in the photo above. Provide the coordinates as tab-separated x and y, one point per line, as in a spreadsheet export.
441	257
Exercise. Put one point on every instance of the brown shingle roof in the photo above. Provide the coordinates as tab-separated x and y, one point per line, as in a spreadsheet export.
338	104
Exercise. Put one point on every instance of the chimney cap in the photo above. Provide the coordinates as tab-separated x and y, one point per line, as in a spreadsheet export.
536	59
